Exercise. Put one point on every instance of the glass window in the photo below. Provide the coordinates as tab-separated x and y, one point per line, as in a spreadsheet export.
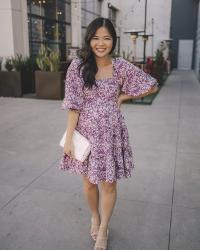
35	46
51	31
89	11
38	7
67	13
49	24
37	29
60	11
68	34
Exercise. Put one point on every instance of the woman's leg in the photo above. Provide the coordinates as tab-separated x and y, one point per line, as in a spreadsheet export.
91	193
108	200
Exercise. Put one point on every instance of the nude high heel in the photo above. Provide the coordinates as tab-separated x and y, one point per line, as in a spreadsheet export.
101	242
94	230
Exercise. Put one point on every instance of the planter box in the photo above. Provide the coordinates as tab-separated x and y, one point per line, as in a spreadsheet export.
27	81
16	84
10	84
49	85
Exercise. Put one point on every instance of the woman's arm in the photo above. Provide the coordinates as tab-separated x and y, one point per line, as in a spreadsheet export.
73	116
72	120
123	97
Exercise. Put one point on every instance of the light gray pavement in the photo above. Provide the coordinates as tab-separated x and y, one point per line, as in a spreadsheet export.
43	208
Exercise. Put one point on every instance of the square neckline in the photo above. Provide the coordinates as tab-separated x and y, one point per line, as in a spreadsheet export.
113	73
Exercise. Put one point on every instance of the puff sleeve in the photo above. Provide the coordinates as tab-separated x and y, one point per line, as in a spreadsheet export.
74	97
135	81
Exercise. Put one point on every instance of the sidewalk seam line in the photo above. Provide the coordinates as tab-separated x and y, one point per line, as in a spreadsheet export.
25	187
175	164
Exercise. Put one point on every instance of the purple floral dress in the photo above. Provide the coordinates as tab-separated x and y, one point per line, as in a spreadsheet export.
102	122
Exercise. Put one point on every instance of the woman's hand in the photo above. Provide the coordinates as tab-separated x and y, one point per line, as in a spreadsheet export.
155	89
119	101
69	148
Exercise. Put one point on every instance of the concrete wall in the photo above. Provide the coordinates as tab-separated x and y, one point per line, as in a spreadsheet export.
105	9
131	16
78	20
14	28
76	23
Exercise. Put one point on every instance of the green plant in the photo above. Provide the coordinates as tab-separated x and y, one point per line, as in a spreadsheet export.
159	58
8	64
42	59
18	62
158	66
1	59
126	55
48	59
54	61
30	64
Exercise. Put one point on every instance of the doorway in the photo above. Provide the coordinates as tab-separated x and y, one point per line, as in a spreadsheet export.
185	51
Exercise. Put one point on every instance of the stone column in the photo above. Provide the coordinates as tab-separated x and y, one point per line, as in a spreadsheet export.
14	28
76	23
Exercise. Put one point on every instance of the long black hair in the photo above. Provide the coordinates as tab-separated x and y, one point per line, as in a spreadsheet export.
88	64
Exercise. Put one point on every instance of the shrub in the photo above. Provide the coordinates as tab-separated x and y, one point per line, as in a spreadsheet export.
54	61
18	62
9	64
42	59
1	59
48	60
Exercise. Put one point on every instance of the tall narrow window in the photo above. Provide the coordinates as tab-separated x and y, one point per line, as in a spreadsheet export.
49	24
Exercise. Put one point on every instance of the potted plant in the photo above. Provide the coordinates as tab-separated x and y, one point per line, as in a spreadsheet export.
19	77
1	59
49	79
158	66
8	64
10	81
29	74
26	67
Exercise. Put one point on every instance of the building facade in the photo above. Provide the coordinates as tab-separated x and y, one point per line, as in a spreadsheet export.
49	23
61	24
131	17
183	33
197	47
14	28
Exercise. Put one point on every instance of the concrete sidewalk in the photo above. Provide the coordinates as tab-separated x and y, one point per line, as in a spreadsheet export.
43	208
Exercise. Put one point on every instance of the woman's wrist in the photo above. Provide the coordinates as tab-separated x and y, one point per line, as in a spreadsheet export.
121	98
124	97
119	101
69	136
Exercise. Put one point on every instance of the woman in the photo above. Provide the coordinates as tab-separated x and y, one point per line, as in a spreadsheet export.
93	85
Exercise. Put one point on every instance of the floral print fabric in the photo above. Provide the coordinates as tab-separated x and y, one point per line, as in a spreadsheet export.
101	121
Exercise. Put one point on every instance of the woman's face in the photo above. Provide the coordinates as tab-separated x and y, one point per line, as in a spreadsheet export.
101	43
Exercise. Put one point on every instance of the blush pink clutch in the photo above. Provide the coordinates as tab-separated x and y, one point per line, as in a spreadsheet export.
81	144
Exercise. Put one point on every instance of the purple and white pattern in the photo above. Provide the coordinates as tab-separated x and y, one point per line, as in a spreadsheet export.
102	122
